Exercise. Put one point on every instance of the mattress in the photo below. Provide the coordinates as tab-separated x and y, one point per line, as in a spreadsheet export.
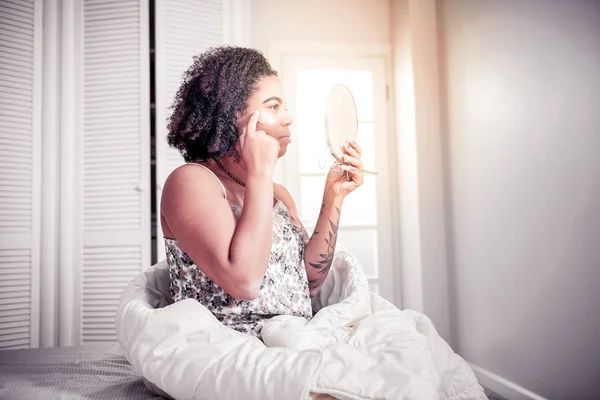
87	372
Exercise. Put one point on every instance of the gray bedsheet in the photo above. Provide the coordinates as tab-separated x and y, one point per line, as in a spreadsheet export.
88	372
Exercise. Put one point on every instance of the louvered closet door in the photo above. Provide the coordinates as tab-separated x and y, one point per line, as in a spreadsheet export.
115	196
20	62
184	28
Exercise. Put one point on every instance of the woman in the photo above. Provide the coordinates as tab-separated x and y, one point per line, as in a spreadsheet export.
233	238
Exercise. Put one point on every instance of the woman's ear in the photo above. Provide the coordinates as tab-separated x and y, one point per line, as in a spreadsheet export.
242	120
239	123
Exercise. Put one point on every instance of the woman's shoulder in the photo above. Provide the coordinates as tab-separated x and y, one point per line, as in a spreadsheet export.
192	179
284	195
189	194
194	172
190	168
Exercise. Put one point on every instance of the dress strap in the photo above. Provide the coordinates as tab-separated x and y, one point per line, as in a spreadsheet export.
215	175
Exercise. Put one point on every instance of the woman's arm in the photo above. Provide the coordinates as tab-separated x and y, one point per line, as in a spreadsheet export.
234	256
319	250
320	247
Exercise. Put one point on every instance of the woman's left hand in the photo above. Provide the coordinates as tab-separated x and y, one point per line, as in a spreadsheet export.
341	184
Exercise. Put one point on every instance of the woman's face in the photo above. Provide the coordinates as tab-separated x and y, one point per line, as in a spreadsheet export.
274	118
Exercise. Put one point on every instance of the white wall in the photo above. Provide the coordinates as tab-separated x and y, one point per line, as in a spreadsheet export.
342	21
523	98
421	227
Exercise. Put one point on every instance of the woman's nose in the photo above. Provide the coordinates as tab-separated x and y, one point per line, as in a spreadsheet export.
287	119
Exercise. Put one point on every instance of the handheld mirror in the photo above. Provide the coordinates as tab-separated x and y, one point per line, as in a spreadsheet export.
341	125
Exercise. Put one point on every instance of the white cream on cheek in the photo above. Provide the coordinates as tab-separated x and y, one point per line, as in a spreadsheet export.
266	118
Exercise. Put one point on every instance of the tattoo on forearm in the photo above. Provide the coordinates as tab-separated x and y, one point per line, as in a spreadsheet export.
324	264
300	229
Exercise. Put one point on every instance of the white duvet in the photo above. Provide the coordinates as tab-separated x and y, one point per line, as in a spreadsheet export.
357	346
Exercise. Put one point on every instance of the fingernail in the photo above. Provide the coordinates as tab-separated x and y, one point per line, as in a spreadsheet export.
256	112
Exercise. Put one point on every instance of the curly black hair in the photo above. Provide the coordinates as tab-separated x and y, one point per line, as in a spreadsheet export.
203	124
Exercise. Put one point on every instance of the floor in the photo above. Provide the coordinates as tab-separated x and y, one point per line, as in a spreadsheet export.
493	396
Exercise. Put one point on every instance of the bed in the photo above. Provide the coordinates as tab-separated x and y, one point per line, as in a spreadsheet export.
88	372
358	346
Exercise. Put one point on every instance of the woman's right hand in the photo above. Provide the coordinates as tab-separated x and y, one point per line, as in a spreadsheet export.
259	150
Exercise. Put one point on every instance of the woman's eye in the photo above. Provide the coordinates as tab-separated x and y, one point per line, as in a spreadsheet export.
275	107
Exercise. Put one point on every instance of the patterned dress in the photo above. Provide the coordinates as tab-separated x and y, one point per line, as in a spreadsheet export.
284	289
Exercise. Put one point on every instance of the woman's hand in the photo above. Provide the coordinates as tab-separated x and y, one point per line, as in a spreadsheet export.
341	184
259	150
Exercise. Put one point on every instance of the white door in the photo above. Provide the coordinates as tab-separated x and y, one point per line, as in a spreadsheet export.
111	208
20	172
366	215
184	29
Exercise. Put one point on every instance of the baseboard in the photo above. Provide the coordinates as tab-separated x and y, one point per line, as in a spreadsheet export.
502	386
